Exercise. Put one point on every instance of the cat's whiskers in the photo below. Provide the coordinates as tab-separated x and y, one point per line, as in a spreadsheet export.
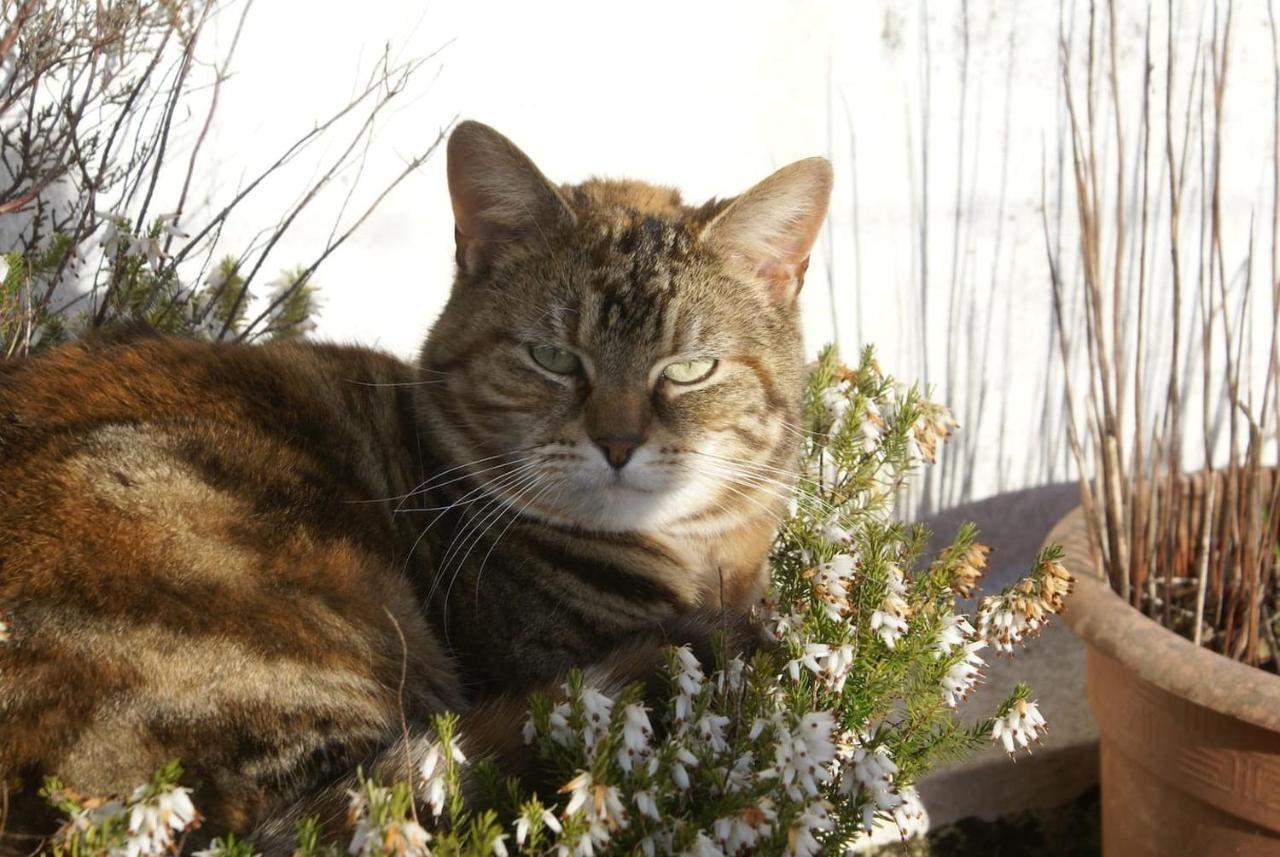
395	383
476	517
475	494
731	484
422	486
480	571
800	431
773	487
476	534
481	491
762	471
506	490
429	488
783	472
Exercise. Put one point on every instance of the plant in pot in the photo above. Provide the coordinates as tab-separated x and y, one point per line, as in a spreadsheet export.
1164	305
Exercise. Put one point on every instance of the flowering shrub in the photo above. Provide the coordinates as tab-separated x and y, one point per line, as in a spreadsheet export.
802	747
109	210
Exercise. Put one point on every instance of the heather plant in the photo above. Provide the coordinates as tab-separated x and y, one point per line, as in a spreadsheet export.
108	210
803	746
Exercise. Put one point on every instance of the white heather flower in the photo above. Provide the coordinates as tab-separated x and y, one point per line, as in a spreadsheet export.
801	841
872	769
742	831
710	727
153	822
522	829
596	706
679	768
1019	727
112	238
169	225
500	845
636	732
433	771
402	838
834	533
831	665
731	675
739	777
596	710
954	632
831	582
802	759
783	626
872	427
689	681
964	675
4	268
529	731
558	721
702	847
646	804
910	816
407	839
524	822
836	401
890	621
1023	609
600	804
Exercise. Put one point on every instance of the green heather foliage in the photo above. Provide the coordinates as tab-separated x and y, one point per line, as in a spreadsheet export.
803	748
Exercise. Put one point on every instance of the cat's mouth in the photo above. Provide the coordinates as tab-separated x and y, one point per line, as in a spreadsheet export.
619	481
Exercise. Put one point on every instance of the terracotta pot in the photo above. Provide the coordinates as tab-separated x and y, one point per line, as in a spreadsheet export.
1189	740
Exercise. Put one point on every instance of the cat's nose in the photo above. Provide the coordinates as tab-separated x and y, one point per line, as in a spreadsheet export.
617	449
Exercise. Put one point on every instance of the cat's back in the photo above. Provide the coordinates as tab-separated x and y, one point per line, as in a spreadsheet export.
191	565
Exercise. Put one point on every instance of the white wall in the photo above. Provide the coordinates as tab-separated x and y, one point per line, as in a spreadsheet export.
941	120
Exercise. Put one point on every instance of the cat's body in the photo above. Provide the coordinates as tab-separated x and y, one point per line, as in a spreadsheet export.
271	561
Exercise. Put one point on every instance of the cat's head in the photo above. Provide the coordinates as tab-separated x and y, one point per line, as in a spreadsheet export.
613	359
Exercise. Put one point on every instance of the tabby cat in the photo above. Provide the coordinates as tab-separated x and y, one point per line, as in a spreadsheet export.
271	561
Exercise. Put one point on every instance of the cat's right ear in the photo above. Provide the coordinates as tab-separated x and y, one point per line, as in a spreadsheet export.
499	196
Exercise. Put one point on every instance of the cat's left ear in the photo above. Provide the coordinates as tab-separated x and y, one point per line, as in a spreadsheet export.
768	232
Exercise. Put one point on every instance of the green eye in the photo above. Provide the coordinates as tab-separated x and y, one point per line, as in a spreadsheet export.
554	359
689	371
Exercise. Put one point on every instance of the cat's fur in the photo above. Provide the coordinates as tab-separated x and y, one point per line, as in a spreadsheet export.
268	561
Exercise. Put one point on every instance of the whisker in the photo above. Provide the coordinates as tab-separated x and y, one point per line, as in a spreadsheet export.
731	485
557	482
479	532
395	383
494	484
477	520
519	462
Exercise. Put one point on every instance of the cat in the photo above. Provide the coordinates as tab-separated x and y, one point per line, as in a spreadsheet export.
272	562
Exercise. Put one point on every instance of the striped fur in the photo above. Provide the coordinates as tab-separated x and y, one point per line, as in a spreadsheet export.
266	561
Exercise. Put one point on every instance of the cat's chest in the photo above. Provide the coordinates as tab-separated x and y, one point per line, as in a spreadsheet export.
729	569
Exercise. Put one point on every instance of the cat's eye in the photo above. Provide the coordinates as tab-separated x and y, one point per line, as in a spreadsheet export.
554	359
689	371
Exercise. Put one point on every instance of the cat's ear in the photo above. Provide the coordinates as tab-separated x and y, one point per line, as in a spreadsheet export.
768	232
499	196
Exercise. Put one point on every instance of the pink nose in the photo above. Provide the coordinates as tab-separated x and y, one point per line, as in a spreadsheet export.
617	449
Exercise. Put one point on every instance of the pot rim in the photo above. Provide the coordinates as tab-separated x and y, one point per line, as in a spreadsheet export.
1162	657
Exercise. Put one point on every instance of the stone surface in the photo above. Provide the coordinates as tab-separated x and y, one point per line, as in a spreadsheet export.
989	785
